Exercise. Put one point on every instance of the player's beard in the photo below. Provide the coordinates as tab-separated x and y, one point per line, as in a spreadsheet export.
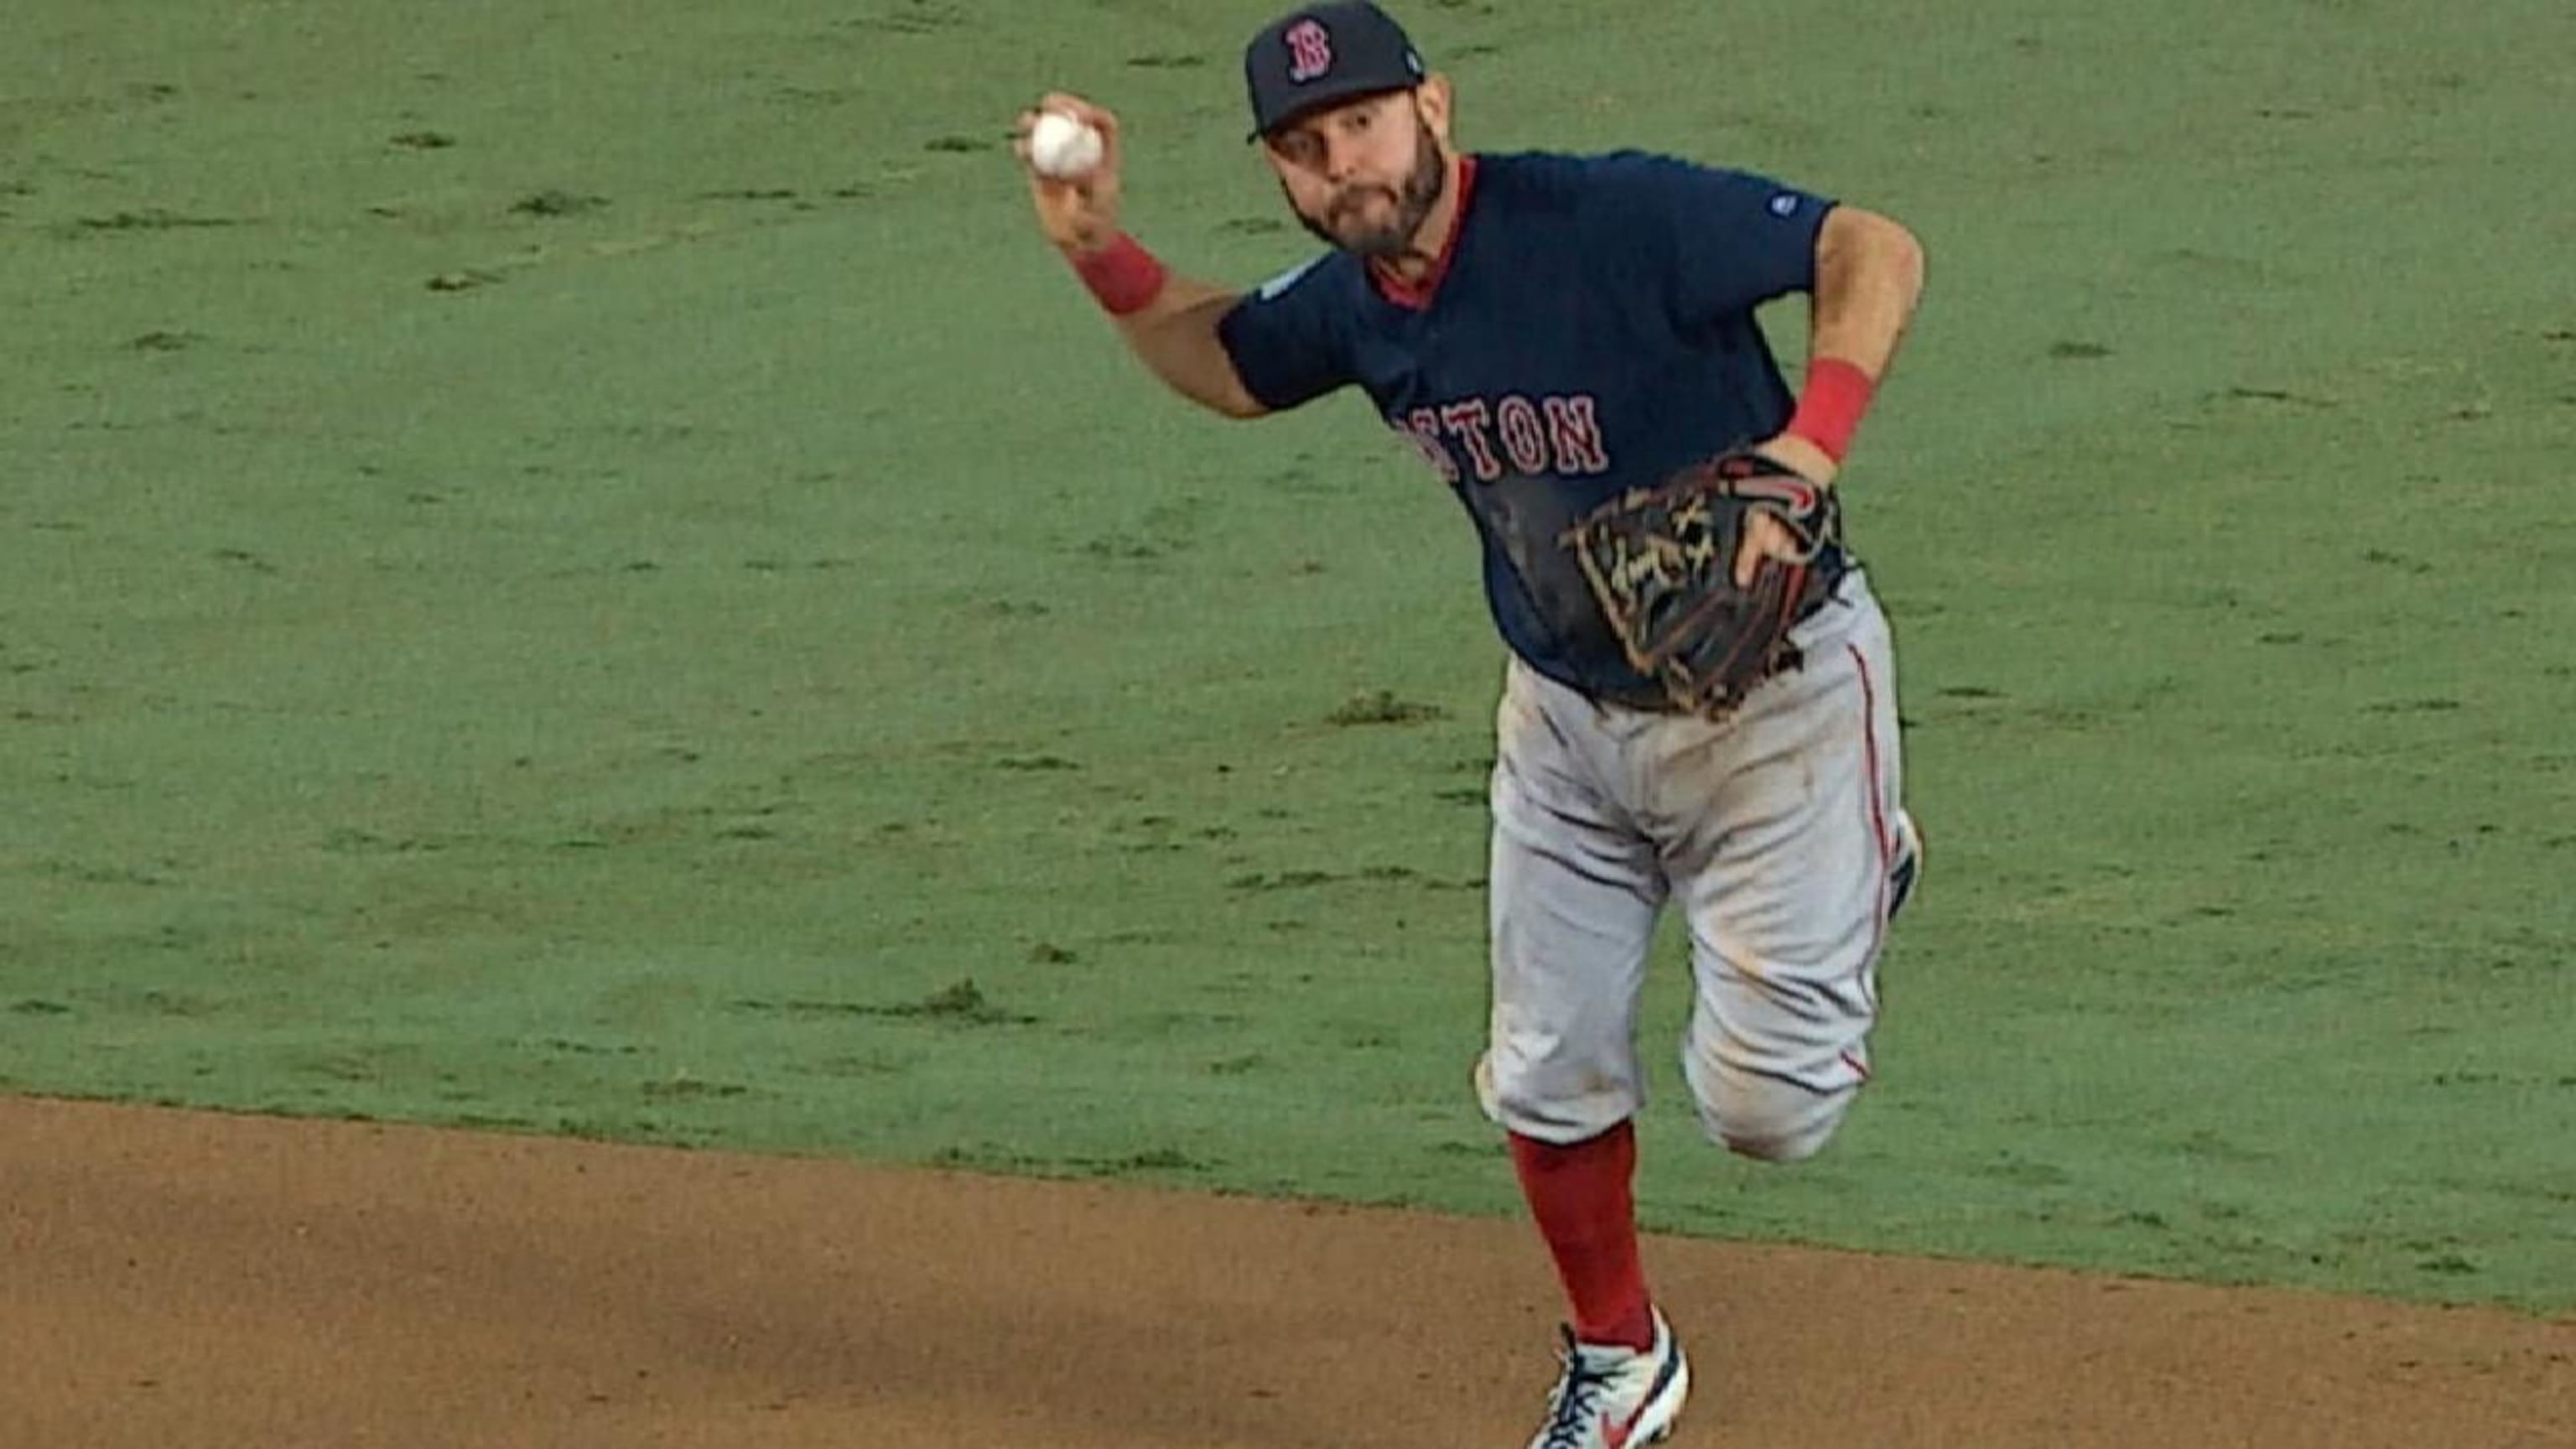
1410	207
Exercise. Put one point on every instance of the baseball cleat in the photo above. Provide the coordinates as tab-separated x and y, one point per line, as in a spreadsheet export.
1909	864
1614	1397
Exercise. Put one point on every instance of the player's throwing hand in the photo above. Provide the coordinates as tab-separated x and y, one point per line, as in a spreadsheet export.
1079	213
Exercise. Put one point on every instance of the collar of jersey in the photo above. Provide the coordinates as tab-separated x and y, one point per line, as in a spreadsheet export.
1417	296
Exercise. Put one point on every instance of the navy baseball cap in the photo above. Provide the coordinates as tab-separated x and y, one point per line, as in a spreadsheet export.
1322	55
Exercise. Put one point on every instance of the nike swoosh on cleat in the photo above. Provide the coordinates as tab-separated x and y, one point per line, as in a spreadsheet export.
1616	1436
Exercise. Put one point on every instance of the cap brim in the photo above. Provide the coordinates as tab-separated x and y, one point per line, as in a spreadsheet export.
1324	99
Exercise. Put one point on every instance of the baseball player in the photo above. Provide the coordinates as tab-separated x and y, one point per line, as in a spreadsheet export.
1554	333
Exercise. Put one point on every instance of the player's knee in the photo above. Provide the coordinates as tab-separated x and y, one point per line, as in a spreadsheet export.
1548	1102
1768	1145
1770	1120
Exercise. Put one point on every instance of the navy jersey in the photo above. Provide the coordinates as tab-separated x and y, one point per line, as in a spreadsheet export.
1590	329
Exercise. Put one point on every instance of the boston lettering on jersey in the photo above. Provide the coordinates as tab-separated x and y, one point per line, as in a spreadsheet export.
1590	328
1529	436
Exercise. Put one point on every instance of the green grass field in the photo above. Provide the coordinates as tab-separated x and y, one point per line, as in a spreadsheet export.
578	567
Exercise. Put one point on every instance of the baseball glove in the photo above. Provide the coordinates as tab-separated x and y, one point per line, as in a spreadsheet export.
1661	563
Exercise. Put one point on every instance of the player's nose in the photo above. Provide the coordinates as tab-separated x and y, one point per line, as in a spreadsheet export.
1341	156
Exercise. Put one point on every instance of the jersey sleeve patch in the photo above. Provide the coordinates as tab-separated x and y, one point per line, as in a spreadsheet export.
1285	339
1271	290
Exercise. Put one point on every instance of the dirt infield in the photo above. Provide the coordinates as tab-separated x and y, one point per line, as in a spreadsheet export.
180	1279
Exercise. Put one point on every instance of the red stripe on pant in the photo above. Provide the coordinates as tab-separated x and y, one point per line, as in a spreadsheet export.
1878	827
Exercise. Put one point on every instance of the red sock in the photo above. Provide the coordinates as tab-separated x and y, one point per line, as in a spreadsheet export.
1580	1196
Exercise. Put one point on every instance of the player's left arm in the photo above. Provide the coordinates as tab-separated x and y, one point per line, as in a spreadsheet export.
1869	280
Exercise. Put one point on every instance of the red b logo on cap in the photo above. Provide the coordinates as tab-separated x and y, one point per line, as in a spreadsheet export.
1310	51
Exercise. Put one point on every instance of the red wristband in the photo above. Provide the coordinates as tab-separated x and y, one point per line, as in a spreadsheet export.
1122	275
1830	406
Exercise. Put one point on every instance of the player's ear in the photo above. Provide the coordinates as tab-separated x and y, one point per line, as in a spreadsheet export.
1433	98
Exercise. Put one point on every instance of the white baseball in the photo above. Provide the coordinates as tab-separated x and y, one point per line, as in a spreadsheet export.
1062	147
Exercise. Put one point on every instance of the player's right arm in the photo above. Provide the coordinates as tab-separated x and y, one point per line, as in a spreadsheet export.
1168	321
1177	326
1176	336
